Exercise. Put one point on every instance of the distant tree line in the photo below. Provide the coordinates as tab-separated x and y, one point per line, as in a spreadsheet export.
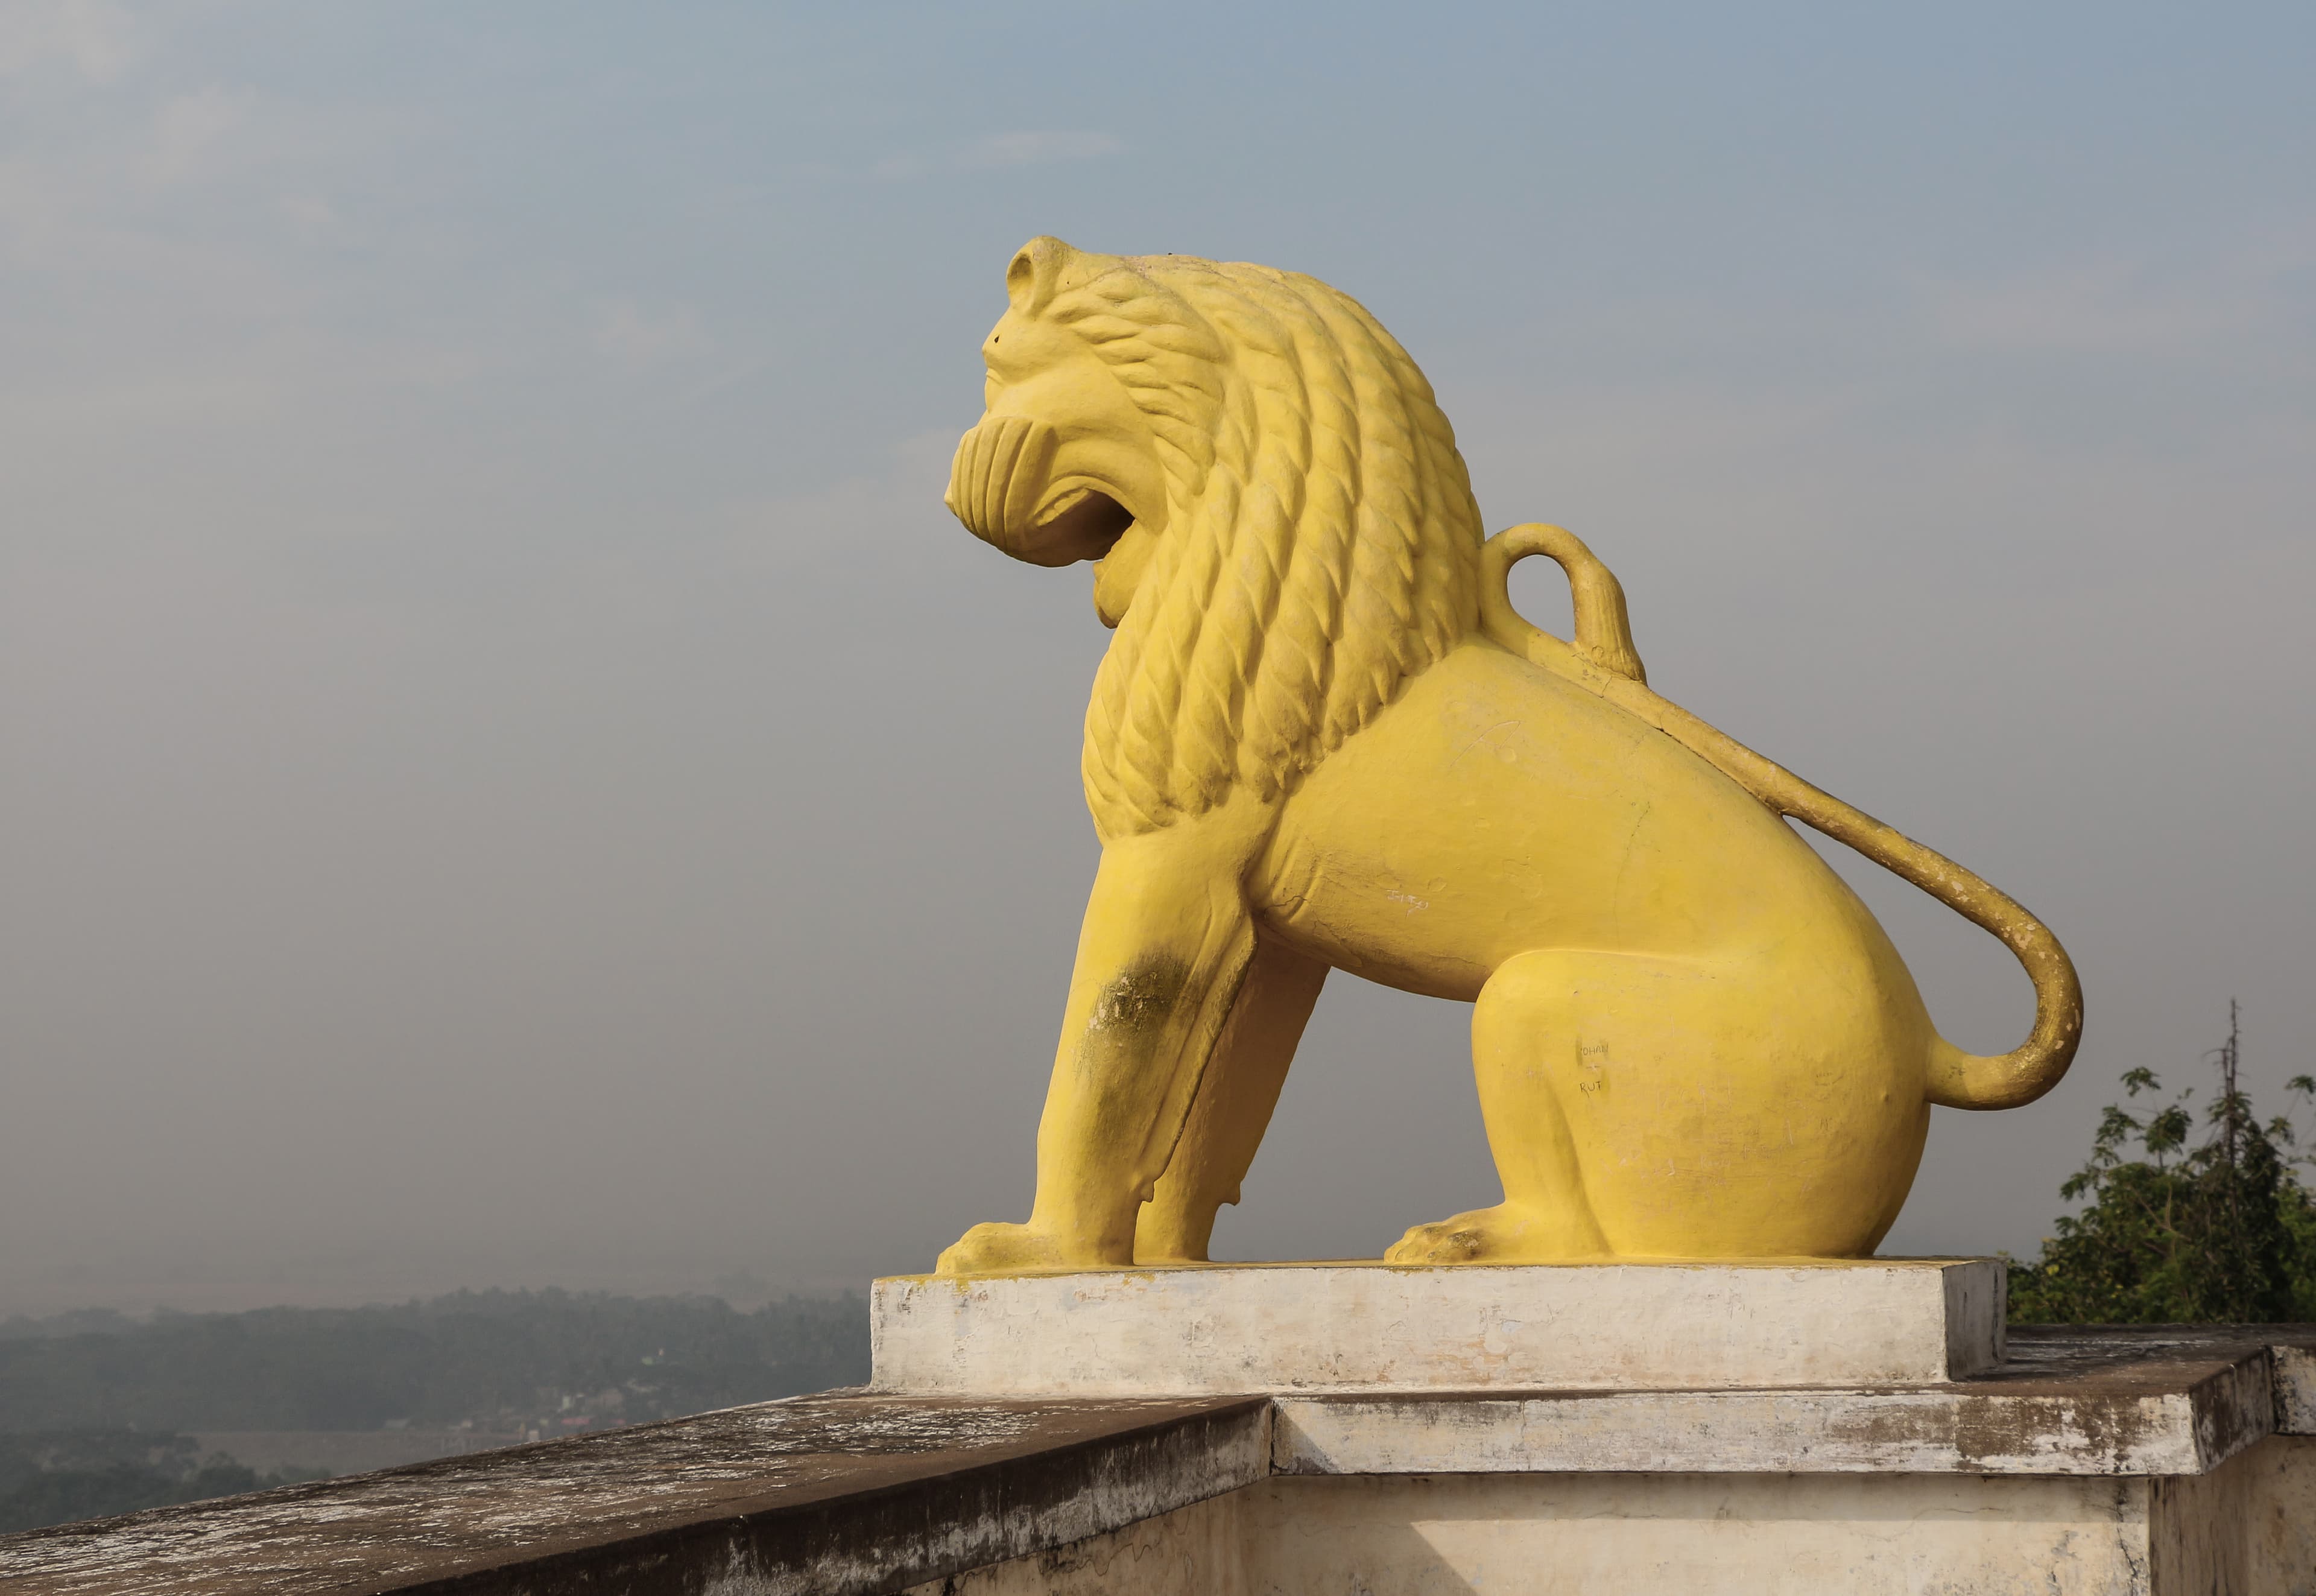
494	1358
2179	1229
55	1478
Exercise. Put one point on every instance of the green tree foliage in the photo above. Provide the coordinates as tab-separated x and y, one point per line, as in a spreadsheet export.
2217	1231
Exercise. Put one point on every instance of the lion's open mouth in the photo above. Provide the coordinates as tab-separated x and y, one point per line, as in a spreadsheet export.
1084	519
1002	488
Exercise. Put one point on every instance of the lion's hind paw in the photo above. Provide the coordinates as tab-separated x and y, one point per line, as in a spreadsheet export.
1450	1241
1500	1235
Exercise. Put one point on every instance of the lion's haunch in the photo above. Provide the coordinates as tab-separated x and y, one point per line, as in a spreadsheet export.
1002	485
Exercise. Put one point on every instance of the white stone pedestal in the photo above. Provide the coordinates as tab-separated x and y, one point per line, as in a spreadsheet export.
1642	1429
1362	1327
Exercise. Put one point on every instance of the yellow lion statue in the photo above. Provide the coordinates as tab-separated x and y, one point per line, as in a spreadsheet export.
1322	739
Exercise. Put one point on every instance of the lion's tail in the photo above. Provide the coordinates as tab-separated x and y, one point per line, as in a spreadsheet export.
1603	660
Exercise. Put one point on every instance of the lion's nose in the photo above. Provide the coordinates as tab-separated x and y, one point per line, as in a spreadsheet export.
996	478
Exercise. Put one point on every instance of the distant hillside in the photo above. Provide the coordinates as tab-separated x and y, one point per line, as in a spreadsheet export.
510	1362
89	1473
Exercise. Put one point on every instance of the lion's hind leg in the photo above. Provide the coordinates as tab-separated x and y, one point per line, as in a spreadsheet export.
1563	1043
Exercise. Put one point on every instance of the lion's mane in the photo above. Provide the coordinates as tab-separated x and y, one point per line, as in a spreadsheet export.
1322	545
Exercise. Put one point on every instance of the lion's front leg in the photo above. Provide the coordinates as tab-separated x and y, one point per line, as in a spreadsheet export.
1233	1108
1166	942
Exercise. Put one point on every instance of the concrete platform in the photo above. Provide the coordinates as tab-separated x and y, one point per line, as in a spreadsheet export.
2101	1403
1365	1327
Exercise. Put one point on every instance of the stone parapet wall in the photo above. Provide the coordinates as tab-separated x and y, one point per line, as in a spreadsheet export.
2248	1529
2149	1461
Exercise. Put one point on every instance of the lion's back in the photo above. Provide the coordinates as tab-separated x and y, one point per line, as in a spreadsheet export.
1496	808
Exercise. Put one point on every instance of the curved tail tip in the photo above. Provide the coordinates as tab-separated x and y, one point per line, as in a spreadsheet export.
1960	1080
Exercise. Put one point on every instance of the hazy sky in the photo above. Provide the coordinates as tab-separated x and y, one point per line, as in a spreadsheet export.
508	775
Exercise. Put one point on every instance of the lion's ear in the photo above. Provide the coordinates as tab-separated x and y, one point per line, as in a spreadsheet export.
1035	273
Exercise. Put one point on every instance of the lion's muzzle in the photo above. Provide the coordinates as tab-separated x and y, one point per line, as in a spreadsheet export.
1003	486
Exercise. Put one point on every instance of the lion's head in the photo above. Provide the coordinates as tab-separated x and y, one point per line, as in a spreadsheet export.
1285	532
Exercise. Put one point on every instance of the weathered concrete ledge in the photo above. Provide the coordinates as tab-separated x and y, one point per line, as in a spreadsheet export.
2066	1405
2178	1454
821	1495
1362	1327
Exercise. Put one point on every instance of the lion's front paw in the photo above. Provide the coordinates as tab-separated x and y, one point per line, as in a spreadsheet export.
997	1249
